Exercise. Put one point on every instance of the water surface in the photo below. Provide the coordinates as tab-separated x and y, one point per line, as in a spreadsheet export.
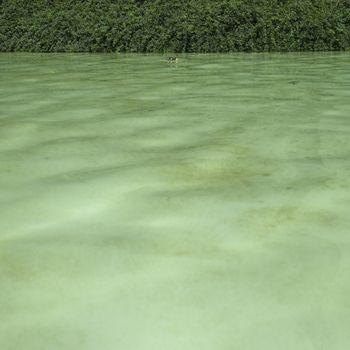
193	206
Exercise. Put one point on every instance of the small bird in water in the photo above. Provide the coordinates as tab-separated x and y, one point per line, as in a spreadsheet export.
172	59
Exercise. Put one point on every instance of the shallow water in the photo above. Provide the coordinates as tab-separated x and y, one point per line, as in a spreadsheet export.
193	206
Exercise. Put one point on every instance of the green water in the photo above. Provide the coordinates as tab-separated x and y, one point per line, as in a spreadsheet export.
193	206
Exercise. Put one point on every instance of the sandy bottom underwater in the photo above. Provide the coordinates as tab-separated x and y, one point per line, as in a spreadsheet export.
193	206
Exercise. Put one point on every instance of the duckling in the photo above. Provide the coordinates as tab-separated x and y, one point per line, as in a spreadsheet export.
172	59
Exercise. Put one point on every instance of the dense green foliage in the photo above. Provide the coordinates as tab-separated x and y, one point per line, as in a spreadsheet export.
174	25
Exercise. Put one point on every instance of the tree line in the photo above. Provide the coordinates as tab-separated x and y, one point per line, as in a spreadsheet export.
174	25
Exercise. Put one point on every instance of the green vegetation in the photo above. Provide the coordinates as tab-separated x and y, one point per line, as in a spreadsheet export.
174	25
